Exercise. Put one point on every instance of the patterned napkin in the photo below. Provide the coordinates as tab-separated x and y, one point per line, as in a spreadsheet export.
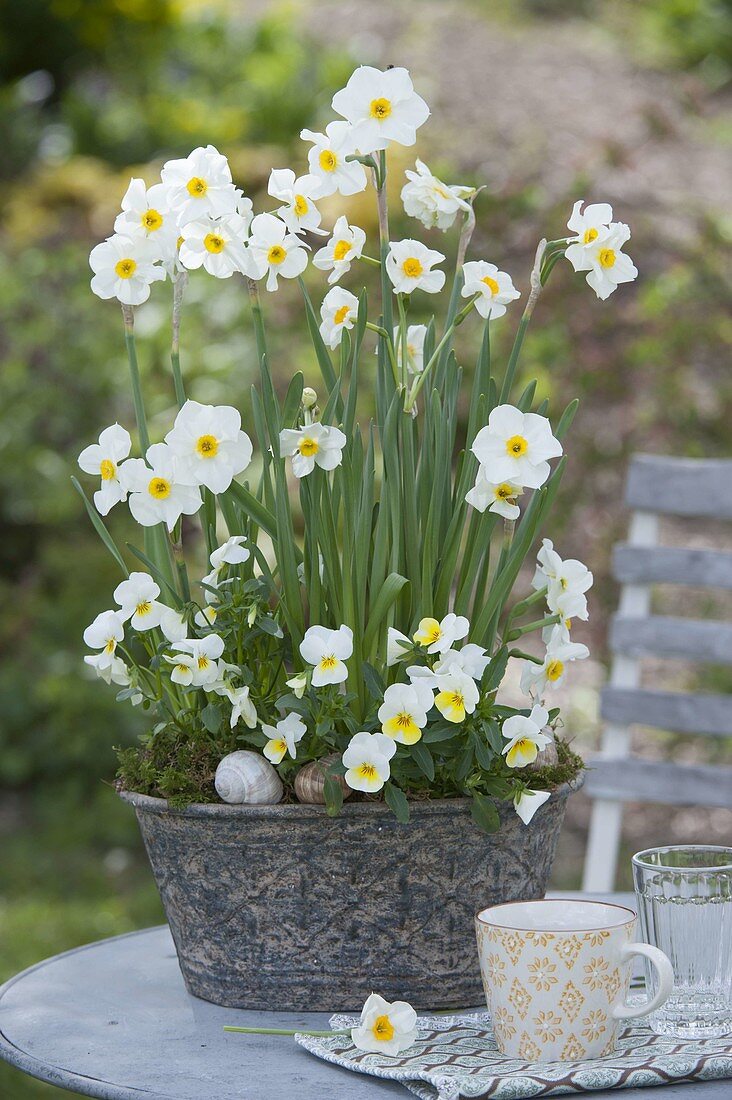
456	1056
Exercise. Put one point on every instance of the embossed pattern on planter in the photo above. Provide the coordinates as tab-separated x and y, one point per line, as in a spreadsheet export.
283	907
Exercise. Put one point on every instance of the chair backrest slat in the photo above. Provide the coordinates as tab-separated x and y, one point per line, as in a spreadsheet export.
672	565
704	714
681	486
632	779
664	636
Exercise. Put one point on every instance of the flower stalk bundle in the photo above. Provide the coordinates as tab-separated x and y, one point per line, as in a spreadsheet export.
378	644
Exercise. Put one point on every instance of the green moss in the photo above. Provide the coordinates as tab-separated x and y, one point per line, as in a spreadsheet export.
568	767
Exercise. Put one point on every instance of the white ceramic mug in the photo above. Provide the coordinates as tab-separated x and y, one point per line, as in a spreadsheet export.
556	976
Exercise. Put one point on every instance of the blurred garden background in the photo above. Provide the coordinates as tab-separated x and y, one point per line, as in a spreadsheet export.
544	102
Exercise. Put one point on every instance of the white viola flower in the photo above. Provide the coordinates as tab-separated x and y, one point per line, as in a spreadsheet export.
440	636
535	679
494	288
471	659
273	251
524	737
103	634
124	268
215	245
146	212
103	459
528	802
138	601
604	261
587	225
173	625
515	446
408	265
298	684
112	672
345	245
300	214
314	445
156	493
206	616
426	197
457	694
367	761
498	497
327	160
566	582
397	646
403	714
199	185
196	661
381	107
327	650
231	552
209	446
283	737
415	347
338	312
242	707
385	1028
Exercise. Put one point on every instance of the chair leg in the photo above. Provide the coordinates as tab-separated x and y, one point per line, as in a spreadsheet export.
603	844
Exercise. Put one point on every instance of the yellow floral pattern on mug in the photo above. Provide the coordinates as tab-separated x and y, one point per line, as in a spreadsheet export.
542	973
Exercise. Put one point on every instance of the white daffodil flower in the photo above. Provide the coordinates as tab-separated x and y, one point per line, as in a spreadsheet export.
566	582
327	160
338	312
498	497
138	601
367	761
557	632
283	737
471	659
103	634
300	214
397	646
103	459
535	679
311	446
604	261
515	446
524	737
457	694
381	107
345	245
435	204
403	714
196	661
146	212
415	347
231	552
326	650
156	494
527	803
173	625
199	185
495	288
244	207
217	245
440	636
209	446
272	251
124	268
408	265
385	1028
587	225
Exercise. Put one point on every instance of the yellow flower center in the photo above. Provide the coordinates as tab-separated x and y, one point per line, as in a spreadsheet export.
276	254
328	160
203	662
524	747
505	491
554	670
308	446
383	1029
125	269
179	242
366	771
110	646
402	725
341	250
144	607
328	662
429	632
279	746
412	268
214	242
516	446
451	704
196	187
159	488
490	283
341	314
107	469
607	257
207	446
152	220
590	236
403	720
380	109
301	206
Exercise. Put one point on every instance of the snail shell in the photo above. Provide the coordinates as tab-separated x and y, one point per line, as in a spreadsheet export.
546	756
310	782
245	776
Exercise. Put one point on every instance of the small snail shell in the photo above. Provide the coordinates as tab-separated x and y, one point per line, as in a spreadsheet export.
310	782
244	776
546	756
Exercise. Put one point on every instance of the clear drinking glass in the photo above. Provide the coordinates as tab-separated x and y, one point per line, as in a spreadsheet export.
685	908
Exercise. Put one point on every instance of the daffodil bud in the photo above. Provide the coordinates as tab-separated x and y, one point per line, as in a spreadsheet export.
309	397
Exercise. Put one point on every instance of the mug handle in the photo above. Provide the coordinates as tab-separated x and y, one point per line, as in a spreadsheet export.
664	974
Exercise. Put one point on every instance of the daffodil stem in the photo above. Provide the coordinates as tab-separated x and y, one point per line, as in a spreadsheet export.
538	624
129	320
534	293
179	287
370	260
389	347
257	319
285	1031
508	529
403	338
525	656
420	380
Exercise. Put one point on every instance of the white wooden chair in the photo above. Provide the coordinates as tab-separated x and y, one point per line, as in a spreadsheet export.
659	486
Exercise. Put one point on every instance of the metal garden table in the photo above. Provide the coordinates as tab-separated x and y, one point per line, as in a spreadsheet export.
113	1020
